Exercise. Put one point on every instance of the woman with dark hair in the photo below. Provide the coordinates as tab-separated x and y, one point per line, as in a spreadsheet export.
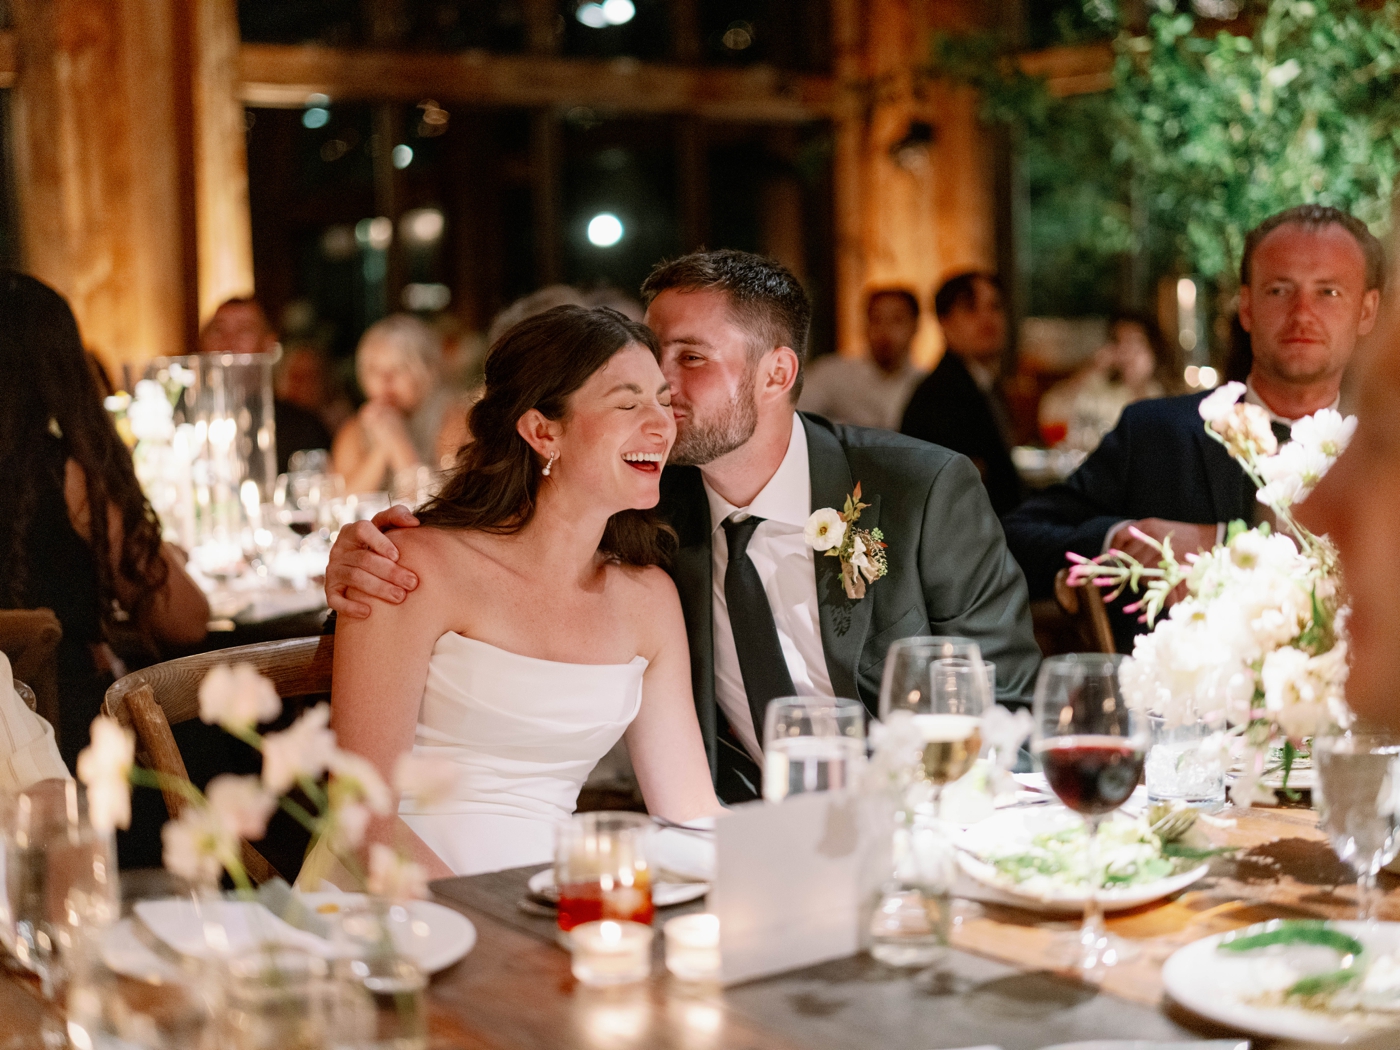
1134	364
77	534
544	627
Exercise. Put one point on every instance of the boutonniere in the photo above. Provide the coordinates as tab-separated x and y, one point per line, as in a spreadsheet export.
862	551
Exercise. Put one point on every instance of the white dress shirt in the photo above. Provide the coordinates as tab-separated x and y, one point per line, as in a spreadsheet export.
28	752
785	564
858	391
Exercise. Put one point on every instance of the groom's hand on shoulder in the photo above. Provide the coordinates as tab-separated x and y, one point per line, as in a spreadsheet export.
364	564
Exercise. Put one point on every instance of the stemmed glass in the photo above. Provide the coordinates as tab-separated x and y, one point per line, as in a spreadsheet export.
1091	747
1357	793
943	683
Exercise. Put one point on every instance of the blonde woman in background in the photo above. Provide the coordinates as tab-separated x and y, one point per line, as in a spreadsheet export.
406	423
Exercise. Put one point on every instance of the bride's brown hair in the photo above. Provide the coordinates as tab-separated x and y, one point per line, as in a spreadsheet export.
539	363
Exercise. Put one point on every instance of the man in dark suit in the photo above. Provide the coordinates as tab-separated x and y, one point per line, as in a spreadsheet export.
959	406
1310	283
766	616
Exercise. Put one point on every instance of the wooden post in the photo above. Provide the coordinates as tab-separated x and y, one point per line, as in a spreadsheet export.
848	174
129	165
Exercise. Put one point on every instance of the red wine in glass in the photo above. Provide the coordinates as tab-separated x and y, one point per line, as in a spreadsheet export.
1092	775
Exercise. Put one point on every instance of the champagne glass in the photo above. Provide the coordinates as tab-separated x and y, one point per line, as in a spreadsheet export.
811	744
1357	793
1091	747
943	683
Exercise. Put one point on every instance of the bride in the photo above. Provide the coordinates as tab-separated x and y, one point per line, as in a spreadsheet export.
544	627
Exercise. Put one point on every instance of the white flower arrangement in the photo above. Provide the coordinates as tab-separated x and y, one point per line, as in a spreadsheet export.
344	789
1258	647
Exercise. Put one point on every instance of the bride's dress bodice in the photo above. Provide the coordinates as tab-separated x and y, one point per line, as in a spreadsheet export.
524	733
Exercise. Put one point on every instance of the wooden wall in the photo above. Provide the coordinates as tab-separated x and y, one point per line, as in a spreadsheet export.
130	167
132	170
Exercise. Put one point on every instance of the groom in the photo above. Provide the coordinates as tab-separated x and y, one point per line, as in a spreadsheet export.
766	615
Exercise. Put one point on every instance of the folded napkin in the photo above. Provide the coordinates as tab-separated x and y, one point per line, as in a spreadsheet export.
685	853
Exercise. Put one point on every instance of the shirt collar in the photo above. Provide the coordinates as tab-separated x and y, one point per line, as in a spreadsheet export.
787	498
1252	397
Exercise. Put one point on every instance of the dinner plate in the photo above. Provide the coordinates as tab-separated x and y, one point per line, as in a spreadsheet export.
1219	985
663	894
432	936
1021	825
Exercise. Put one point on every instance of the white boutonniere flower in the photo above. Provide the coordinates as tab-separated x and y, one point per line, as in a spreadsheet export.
862	551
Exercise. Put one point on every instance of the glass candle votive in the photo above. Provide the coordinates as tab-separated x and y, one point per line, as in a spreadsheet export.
692	947
608	952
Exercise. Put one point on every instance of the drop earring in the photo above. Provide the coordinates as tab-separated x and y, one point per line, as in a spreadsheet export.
550	465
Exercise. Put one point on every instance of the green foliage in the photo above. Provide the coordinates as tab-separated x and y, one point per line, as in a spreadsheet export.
1201	137
1225	132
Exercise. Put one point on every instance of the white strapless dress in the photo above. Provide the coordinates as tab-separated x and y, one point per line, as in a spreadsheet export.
524	733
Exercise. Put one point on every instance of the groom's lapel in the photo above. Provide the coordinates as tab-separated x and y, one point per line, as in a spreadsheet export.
688	510
844	622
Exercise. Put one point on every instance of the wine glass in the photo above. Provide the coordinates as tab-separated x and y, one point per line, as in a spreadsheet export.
943	683
1091	747
1357	793
811	744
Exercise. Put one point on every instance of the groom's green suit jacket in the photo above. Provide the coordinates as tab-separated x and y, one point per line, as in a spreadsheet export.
950	573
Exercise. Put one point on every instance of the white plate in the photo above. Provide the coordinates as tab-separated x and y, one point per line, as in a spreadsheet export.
1153	1044
1021	825
432	936
663	894
1218	985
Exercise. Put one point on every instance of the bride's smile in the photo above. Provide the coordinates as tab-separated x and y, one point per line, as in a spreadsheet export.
610	447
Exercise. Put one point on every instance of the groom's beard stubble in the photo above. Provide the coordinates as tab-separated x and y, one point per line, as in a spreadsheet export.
703	441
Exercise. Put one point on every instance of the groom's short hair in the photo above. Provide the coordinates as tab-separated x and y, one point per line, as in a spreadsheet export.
766	298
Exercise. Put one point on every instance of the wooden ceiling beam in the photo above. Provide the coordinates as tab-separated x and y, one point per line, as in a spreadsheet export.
284	75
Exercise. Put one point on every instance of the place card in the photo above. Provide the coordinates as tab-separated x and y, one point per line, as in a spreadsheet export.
796	881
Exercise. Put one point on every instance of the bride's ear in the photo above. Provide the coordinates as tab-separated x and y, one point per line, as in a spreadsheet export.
539	431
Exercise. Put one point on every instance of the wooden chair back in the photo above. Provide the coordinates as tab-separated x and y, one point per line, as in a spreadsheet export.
1084	604
151	700
30	638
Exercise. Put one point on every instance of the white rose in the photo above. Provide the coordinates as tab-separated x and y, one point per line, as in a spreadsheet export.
241	805
427	780
824	530
150	414
394	876
1327	431
195	845
1221	402
304	749
103	767
237	698
349	770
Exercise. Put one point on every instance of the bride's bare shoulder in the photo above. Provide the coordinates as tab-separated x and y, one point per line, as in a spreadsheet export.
442	550
645	590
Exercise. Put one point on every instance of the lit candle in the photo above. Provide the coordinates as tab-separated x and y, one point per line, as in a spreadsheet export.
608	952
692	947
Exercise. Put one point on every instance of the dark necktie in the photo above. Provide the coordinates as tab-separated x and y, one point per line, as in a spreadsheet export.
761	660
1282	431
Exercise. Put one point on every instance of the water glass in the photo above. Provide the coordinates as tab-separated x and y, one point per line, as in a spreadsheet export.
60	879
379	1000
1357	795
1178	770
278	998
811	744
601	870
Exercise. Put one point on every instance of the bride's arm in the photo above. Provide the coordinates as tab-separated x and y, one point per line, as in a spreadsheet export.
381	665
663	741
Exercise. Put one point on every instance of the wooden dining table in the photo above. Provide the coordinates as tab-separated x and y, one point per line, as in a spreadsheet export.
1002	983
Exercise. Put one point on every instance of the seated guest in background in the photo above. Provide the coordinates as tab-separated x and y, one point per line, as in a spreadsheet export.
1133	365
1310	283
240	326
870	391
959	406
302	379
397	429
77	533
1358	505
